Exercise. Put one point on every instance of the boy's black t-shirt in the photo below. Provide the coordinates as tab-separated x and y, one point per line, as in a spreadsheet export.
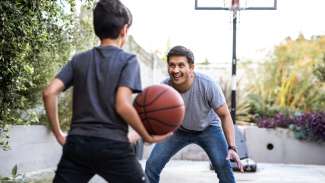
95	76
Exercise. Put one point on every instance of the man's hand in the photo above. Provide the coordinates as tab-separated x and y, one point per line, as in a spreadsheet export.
232	155
133	137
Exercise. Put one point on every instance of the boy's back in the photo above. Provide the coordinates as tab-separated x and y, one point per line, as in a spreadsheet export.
95	75
103	81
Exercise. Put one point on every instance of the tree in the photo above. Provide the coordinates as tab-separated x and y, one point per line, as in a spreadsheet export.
35	41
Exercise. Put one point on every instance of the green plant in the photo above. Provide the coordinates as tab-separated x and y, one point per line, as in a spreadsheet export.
242	108
308	126
35	42
4	137
14	178
286	81
37	38
319	69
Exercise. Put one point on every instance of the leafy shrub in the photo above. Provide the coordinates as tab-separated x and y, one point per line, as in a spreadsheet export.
279	120
15	177
306	126
36	39
291	79
310	126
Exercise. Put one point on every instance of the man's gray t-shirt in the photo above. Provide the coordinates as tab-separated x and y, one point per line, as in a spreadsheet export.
95	76
201	99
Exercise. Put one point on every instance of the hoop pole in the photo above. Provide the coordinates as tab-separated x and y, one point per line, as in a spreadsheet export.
234	65
235	7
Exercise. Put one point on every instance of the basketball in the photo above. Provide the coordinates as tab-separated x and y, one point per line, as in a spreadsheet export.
161	109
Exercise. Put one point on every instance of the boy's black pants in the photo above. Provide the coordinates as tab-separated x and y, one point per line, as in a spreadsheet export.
83	157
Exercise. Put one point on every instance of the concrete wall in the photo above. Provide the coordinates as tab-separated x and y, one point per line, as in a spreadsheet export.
153	69
32	148
280	146
265	145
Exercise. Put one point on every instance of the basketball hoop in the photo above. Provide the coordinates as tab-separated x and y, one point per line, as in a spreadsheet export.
235	5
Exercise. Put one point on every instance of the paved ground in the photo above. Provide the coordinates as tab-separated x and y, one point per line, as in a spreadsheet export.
198	172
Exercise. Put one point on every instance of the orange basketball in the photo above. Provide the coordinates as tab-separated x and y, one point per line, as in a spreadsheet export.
161	109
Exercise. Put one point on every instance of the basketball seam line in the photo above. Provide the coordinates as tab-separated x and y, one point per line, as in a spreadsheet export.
160	109
159	121
145	114
153	100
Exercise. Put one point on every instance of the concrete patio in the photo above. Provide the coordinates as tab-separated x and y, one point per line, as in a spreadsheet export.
198	172
179	171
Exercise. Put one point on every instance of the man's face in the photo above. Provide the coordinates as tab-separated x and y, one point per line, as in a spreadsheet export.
179	70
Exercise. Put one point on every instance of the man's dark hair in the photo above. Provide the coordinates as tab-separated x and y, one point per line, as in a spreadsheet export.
181	51
109	18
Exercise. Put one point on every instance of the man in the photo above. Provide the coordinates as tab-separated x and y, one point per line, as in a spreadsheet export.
103	80
205	108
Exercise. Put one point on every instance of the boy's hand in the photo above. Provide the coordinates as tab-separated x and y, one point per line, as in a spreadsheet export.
61	137
157	138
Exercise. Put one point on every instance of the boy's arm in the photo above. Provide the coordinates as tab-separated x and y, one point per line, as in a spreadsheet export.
50	98
126	110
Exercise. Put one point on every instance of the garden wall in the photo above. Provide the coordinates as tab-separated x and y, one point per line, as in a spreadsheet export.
32	148
265	145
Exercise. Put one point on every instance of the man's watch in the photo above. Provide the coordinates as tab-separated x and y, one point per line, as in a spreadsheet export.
234	148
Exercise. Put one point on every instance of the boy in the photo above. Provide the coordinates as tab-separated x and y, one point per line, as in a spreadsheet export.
103	80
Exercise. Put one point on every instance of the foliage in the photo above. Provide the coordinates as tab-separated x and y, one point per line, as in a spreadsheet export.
242	106
83	38
286	83
319	69
14	178
4	137
34	43
36	40
306	126
279	120
310	126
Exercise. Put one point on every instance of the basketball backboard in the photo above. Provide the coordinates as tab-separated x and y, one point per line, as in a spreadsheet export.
235	4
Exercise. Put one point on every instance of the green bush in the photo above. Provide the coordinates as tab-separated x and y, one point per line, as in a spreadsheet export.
286	82
35	41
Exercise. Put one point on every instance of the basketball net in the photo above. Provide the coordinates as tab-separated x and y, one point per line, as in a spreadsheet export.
235	7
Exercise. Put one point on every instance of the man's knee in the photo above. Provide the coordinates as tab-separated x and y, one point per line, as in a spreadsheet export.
154	164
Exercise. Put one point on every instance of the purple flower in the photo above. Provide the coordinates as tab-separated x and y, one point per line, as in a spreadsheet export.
306	126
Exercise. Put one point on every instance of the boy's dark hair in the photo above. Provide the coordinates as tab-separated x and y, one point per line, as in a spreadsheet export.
181	51
109	18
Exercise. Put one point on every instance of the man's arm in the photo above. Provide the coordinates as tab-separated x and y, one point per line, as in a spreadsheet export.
126	110
228	129
50	98
227	124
